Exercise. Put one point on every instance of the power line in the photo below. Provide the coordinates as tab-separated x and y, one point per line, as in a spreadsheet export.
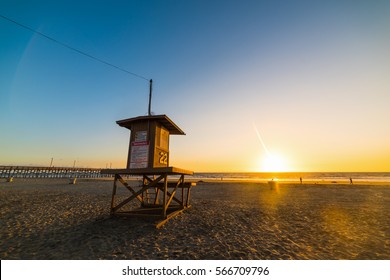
74	49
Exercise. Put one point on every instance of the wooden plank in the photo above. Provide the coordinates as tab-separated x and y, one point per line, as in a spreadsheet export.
128	214
127	200
180	182
188	197
184	185
149	171
165	190
157	190
154	183
170	216
145	210
113	194
146	179
175	199
173	193
118	177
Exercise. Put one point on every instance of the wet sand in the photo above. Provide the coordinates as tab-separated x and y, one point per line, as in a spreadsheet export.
50	219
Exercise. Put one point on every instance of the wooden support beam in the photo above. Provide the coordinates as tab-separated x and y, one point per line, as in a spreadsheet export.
118	177
184	185
164	212
153	183
170	216
141	215
188	197
157	191
175	199
173	193
127	200
113	194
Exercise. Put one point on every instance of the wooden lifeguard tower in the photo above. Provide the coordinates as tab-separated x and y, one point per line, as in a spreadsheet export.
163	193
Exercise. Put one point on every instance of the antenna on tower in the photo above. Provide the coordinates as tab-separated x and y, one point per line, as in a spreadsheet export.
150	97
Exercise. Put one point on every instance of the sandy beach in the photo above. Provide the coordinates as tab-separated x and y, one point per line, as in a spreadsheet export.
51	219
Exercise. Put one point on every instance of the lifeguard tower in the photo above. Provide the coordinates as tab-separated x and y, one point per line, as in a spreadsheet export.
163	193
149	140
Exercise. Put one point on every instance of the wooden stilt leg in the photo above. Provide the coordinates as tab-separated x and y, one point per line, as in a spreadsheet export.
188	197
113	195
182	197
164	213
157	192
182	190
144	183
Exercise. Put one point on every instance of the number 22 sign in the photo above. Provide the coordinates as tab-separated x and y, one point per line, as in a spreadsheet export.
163	159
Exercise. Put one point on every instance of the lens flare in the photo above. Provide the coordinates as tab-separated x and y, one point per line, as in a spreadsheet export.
271	162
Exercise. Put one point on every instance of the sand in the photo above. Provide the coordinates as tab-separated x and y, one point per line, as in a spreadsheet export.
50	219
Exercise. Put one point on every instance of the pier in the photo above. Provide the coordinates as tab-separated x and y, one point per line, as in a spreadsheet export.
50	172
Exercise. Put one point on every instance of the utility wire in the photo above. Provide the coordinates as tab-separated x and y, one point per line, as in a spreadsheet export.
74	49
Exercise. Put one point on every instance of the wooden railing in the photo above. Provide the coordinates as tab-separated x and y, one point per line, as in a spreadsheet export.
50	172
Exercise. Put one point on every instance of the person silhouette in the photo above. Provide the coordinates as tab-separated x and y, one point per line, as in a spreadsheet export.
350	180
300	179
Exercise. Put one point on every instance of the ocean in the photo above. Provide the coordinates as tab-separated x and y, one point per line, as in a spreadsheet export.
333	177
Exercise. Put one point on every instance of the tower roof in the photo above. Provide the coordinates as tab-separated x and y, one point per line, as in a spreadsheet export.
163	119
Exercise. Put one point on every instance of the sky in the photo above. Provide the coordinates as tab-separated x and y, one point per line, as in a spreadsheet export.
255	85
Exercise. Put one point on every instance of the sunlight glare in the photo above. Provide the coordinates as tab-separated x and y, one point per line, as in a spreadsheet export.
274	163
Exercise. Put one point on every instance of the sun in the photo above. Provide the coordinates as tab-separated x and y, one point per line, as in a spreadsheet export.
274	163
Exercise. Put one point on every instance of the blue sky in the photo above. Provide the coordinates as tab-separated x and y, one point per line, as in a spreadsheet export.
312	76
